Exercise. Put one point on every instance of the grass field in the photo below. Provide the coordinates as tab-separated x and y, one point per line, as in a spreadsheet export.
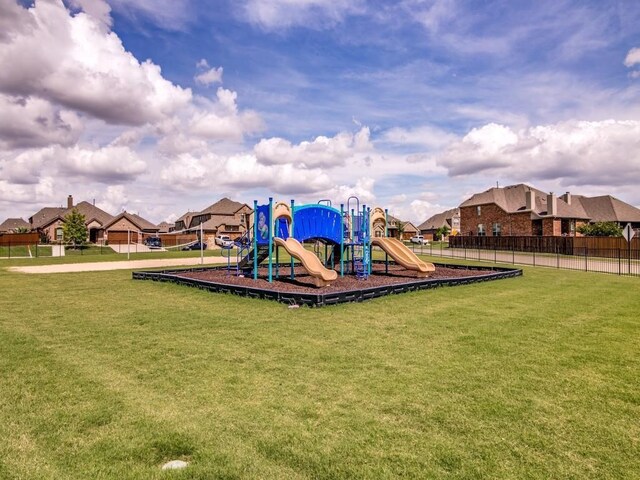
533	377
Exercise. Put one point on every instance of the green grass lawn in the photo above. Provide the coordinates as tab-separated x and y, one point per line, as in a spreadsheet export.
30	251
535	377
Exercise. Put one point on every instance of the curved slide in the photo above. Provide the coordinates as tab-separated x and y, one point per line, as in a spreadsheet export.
402	255
322	276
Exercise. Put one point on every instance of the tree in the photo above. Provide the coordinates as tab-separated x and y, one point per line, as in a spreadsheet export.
442	232
21	230
600	229
400	228
74	229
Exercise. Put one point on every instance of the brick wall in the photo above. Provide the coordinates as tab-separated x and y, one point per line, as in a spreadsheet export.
511	224
551	227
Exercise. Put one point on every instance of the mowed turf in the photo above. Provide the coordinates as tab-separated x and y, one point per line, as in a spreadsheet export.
533	377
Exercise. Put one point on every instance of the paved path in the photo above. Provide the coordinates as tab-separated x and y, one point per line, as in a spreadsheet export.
126	265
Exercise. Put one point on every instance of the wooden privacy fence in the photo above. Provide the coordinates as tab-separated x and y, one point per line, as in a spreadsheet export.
591	246
13	239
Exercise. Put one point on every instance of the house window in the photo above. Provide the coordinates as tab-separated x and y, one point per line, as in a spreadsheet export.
479	210
497	230
481	231
59	234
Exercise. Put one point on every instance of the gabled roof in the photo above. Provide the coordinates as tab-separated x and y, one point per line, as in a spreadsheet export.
606	208
512	199
186	218
91	212
11	224
137	220
439	220
164	227
45	216
393	221
224	206
215	221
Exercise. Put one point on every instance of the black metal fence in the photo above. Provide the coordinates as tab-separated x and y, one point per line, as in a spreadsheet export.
35	250
618	261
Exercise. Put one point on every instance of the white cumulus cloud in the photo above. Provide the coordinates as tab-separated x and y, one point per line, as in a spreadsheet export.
33	122
321	152
75	62
587	153
633	57
209	76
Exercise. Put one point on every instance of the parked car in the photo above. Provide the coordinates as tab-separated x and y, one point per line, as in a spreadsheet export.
419	239
224	241
153	242
195	246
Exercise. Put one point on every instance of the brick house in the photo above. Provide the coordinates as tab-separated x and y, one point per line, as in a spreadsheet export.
10	225
128	227
48	221
166	227
392	228
448	218
525	211
520	210
224	217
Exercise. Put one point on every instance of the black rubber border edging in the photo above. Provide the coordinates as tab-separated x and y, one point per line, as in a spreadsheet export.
323	299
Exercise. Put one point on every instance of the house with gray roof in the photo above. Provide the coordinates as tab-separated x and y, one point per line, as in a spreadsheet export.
10	225
48	221
448	218
408	229
129	228
523	210
224	217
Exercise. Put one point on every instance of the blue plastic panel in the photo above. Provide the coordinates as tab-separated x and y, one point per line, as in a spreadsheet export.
262	234
317	221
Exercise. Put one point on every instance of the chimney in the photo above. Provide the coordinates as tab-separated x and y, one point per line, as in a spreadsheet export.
552	204
567	198
70	201
530	200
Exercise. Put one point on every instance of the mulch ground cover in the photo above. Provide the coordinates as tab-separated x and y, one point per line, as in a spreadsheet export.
303	282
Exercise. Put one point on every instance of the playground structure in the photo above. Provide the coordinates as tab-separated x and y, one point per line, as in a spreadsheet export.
343	241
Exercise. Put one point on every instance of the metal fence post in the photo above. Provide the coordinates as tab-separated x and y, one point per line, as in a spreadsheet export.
619	264
586	259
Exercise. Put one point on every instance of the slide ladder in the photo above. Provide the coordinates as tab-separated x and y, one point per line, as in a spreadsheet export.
247	261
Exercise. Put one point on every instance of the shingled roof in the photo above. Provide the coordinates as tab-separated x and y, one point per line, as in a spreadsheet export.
137	220
512	199
224	206
439	220
606	208
47	215
216	220
11	224
91	212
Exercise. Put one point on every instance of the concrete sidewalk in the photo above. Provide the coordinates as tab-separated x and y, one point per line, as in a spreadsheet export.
125	265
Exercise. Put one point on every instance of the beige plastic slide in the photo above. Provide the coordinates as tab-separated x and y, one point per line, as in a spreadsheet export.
402	255
322	276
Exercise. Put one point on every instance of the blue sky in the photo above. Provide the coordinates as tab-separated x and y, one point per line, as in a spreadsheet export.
164	106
